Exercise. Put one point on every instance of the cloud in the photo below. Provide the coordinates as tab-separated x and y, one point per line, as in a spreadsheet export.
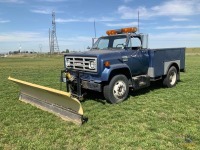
76	39
102	19
42	11
167	8
4	21
127	1
121	24
60	20
126	12
71	42
176	7
191	35
174	39
179	27
54	0
180	19
21	36
45	10
11	1
130	13
30	40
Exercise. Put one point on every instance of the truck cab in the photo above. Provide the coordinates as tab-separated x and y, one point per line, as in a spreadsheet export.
119	61
131	48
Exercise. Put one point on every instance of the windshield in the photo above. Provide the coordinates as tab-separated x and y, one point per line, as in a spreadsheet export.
109	42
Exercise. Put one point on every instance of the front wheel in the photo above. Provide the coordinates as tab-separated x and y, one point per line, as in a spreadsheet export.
117	90
171	78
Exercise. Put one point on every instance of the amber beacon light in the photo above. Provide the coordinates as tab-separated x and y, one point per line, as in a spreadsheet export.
120	31
129	30
111	32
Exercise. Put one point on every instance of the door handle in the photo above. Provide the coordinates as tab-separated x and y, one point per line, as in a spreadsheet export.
124	58
133	55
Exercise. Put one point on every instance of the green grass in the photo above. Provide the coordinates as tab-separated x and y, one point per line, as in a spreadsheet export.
152	118
192	51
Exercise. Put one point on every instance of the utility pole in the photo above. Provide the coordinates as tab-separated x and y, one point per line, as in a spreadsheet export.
94	29
53	42
138	21
94	39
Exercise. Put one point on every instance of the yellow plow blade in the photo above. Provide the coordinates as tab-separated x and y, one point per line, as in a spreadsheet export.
55	101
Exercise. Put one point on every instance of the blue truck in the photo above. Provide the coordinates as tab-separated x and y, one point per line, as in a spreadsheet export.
120	61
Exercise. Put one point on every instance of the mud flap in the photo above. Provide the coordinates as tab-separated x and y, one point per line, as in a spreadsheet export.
55	101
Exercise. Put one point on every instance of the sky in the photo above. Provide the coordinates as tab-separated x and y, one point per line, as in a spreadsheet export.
24	24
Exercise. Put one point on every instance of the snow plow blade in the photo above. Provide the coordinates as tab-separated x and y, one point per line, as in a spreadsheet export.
54	101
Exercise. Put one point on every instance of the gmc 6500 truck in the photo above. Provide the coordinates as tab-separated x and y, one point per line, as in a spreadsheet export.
116	62
120	61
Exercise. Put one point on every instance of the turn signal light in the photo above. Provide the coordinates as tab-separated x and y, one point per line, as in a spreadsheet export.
107	64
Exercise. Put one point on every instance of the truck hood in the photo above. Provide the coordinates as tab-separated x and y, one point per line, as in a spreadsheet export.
93	53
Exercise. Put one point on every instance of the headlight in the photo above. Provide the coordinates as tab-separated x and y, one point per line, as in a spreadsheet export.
92	65
67	62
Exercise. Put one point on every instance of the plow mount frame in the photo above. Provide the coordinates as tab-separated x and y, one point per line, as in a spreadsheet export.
78	93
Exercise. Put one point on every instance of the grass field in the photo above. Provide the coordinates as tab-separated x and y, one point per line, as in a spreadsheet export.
152	118
193	51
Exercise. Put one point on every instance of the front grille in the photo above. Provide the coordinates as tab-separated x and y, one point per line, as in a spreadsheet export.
81	63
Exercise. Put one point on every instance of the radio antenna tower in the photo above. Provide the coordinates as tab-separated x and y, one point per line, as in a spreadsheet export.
53	42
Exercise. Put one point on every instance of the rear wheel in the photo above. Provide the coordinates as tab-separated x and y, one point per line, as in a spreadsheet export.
171	78
117	90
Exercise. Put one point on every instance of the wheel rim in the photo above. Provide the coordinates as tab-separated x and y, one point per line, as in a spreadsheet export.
119	89
172	78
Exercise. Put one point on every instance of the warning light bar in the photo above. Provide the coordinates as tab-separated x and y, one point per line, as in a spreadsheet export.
123	30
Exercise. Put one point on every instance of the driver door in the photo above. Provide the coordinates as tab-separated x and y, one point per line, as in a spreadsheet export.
137	57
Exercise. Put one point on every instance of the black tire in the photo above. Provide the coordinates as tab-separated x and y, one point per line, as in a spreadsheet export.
117	90
171	78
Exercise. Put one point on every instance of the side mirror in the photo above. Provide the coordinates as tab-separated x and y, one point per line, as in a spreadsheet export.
124	45
88	47
144	41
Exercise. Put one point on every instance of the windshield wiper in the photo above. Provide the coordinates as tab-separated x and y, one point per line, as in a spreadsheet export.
95	47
